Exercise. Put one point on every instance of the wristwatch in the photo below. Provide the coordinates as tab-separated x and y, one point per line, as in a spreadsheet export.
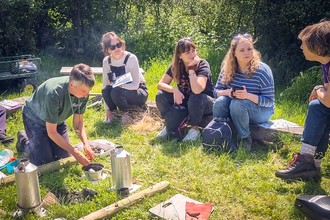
318	87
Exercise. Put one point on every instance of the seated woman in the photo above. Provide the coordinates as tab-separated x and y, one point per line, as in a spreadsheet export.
116	63
194	86
245	88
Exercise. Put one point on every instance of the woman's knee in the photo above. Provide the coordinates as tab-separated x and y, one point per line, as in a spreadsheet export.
196	100
238	106
315	105
106	91
221	104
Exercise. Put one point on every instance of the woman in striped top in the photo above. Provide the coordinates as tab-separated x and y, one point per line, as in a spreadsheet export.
245	88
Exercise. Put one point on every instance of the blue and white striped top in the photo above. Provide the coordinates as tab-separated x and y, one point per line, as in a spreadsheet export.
260	84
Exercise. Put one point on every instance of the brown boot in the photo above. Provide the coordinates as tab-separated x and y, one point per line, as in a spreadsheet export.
301	167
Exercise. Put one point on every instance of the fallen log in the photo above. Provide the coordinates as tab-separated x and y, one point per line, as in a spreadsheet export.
42	169
114	208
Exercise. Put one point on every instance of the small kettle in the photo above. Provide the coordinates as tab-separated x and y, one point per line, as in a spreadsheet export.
27	185
121	168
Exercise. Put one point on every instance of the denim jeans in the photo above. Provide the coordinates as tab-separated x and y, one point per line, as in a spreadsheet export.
242	112
123	98
40	148
197	105
317	127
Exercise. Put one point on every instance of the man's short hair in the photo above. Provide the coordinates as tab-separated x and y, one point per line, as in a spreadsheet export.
317	38
82	74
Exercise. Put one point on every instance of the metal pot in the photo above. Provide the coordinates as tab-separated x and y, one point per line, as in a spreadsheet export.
121	168
94	171
27	185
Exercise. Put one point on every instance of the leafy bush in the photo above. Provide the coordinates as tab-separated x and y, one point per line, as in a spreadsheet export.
303	84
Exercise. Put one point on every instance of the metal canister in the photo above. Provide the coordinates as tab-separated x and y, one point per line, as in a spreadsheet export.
121	168
27	185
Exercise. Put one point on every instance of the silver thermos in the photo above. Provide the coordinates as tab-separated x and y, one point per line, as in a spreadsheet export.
121	168
27	185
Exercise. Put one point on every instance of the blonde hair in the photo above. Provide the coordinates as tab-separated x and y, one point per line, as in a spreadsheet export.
106	42
183	45
229	65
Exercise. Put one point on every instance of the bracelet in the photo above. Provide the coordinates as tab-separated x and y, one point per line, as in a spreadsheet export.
189	75
318	87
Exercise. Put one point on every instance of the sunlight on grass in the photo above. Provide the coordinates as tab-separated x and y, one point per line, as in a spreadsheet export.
240	185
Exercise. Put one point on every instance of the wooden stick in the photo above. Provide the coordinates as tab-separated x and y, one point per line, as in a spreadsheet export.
114	208
46	168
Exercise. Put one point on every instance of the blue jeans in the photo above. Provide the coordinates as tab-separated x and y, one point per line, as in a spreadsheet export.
242	112
317	127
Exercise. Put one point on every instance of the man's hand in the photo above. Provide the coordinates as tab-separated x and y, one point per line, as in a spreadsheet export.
89	152
177	96
80	157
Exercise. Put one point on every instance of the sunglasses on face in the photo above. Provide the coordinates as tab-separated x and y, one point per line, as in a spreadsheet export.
183	41
239	36
118	45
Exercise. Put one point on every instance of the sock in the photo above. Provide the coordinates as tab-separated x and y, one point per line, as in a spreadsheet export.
307	149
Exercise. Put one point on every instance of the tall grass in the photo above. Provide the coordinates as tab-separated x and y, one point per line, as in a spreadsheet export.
240	185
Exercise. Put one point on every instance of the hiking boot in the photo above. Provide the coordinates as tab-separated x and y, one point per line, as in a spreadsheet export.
5	139
163	133
246	143
20	136
301	167
192	135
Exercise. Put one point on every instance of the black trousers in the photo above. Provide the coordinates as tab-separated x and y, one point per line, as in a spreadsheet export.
198	105
123	98
38	145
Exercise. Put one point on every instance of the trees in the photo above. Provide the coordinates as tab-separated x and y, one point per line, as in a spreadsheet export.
73	28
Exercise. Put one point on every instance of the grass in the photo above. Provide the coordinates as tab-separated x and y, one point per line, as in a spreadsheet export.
240	185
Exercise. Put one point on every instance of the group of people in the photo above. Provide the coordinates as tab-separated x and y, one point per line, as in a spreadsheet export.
244	93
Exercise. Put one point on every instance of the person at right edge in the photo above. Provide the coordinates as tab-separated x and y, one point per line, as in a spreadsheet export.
307	164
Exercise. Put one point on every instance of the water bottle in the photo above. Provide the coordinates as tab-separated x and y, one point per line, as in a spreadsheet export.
5	156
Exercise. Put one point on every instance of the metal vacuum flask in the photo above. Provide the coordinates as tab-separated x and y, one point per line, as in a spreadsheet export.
121	168
27	185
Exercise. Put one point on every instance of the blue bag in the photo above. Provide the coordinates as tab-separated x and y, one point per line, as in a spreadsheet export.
218	134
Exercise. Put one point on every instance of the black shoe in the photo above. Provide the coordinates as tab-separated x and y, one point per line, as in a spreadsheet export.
246	143
301	167
20	136
4	139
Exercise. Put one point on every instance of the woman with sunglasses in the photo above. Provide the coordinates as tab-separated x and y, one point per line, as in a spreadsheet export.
245	88
120	63
194	87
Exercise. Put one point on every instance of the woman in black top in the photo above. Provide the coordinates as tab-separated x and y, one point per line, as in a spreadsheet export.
194	87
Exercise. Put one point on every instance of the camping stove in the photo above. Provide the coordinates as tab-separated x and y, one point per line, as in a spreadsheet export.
27	185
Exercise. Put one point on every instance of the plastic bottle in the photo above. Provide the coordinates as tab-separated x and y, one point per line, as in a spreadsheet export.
5	156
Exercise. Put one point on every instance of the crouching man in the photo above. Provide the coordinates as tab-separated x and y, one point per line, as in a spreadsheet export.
46	138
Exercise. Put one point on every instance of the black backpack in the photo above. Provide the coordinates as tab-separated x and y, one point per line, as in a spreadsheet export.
218	134
175	119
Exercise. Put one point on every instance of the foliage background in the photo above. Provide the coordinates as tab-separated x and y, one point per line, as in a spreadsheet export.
73	28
